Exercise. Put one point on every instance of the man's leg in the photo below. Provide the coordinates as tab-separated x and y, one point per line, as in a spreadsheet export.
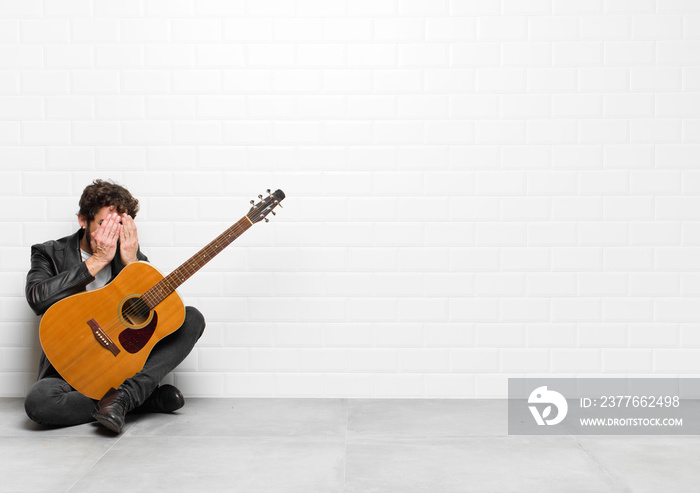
166	355
52	402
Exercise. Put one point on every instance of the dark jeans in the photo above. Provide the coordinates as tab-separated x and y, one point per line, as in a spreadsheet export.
53	402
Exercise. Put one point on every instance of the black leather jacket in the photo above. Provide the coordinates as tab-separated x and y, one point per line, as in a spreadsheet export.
57	271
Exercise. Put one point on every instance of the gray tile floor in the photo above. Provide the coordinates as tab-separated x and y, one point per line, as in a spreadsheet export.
334	445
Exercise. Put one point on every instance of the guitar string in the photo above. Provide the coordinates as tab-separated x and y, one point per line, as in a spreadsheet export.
216	246
197	261
190	267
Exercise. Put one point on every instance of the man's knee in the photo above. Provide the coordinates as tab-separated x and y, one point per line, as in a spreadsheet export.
52	402
32	406
41	399
194	322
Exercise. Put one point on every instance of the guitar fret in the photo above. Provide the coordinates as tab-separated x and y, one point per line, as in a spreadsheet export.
169	283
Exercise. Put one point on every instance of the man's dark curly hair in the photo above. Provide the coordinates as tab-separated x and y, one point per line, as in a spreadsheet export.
103	193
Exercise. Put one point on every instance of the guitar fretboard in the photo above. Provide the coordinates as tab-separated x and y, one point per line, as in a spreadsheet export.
171	282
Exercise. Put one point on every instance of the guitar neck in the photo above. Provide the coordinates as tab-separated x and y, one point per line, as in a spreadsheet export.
172	281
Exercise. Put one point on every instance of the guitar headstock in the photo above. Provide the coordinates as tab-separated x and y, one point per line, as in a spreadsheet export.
266	205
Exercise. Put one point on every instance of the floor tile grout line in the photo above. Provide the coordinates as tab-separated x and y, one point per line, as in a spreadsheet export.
604	470
97	460
345	442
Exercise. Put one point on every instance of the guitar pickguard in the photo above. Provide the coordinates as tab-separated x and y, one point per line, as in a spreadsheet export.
133	340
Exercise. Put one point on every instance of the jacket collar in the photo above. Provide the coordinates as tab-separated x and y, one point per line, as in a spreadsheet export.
66	251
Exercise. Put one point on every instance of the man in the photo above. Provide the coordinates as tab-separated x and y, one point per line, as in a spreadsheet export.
86	260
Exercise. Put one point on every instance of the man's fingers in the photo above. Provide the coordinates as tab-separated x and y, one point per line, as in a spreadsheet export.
109	230
128	224
126	230
104	239
129	233
111	227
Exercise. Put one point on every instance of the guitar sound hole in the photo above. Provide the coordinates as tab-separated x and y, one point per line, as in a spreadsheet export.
135	312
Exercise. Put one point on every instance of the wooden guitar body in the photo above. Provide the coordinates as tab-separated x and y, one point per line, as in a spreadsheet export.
98	339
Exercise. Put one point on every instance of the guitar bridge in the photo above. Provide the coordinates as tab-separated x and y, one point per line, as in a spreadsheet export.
102	338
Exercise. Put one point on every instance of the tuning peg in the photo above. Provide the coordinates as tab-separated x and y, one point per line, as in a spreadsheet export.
260	197
252	202
269	192
273	213
267	220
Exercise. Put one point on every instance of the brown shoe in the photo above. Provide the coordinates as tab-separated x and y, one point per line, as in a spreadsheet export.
112	408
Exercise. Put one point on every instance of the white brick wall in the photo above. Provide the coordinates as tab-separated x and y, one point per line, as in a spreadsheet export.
477	189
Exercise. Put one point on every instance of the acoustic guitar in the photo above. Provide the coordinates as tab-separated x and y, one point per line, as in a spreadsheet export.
98	339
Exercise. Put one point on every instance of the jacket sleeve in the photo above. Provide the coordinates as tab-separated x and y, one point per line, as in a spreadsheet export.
45	286
140	256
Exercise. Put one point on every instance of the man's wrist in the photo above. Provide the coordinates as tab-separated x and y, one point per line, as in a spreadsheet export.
95	265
